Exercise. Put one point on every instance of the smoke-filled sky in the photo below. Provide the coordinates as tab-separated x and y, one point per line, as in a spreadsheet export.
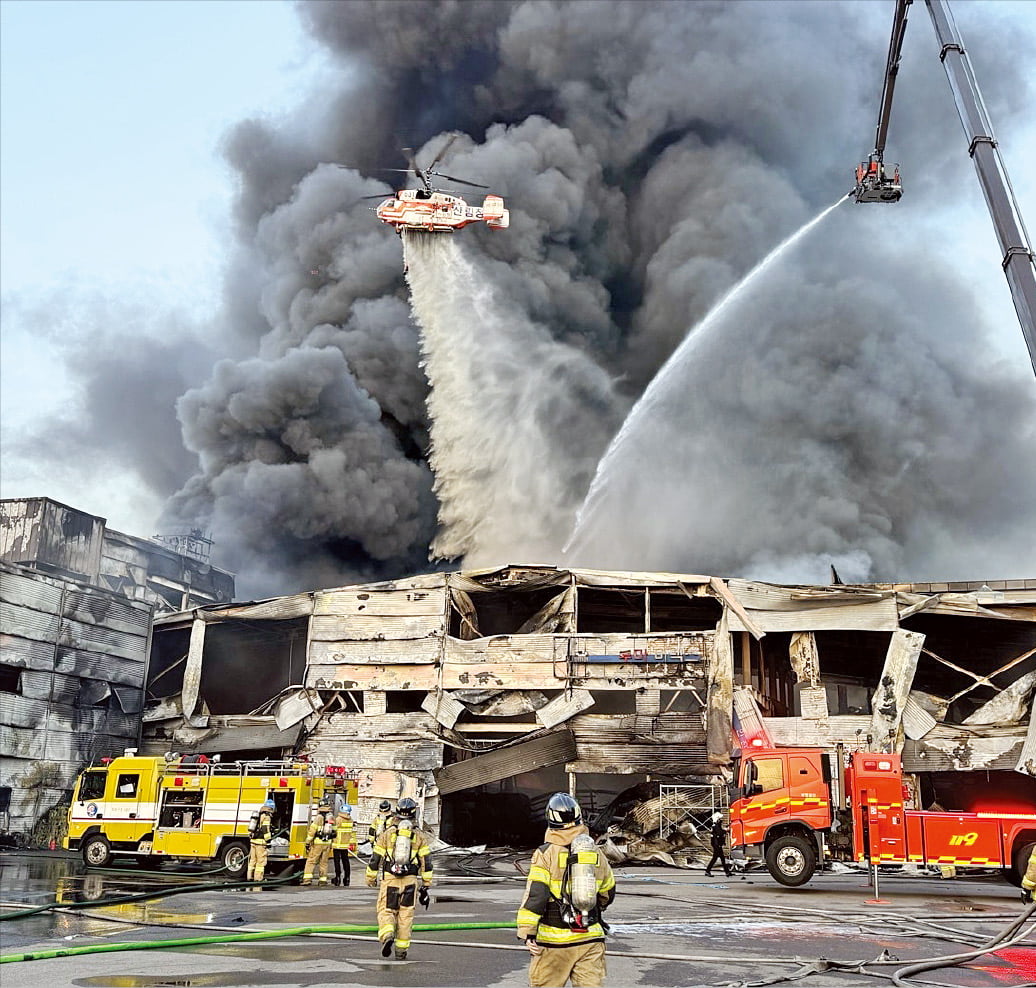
205	325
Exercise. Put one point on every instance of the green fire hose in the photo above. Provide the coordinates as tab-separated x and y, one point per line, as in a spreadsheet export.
105	948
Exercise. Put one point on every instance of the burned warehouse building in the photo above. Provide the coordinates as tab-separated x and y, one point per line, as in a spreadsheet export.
480	692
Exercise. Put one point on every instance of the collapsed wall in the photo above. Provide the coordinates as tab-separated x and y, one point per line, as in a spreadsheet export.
481	692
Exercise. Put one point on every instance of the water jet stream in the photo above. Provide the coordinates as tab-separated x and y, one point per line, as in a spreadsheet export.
669	376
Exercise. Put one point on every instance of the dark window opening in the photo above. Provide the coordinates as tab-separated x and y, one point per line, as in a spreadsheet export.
678	612
10	678
677	701
343	701
979	645
613	702
404	701
172	597
248	662
168	661
610	612
499	612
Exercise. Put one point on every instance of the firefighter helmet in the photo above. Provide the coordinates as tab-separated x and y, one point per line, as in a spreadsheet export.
562	810
384	806
269	805
406	808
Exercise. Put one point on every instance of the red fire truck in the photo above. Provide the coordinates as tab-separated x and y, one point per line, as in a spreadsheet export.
797	807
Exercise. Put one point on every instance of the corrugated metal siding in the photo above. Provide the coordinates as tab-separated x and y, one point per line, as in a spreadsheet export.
370	627
39	594
851	730
502	763
22	742
877	616
412	756
563	707
624	759
106	610
503	648
390	677
27	623
94	665
966	754
382	603
21	711
407	652
38	530
95	638
26	653
49	686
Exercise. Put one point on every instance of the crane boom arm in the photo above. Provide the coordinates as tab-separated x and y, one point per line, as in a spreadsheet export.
992	173
891	71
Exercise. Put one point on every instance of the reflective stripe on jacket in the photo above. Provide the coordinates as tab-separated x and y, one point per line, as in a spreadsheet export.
345	835
540	913
420	855
378	825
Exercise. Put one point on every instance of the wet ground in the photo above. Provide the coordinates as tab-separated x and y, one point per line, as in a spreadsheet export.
669	927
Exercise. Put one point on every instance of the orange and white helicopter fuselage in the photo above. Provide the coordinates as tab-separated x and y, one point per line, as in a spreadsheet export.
439	212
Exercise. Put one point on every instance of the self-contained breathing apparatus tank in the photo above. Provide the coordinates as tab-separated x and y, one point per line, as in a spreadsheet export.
327	830
582	878
402	847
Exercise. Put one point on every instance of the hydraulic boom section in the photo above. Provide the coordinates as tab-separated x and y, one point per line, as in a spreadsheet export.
874	181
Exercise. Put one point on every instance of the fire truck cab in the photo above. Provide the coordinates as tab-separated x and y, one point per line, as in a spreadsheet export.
797	807
194	808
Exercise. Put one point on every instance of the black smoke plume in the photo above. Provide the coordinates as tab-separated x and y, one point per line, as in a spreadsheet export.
651	153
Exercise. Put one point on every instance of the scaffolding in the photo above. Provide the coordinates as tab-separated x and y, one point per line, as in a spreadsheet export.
694	803
193	543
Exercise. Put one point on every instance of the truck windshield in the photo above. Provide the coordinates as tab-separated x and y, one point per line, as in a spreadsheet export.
91	786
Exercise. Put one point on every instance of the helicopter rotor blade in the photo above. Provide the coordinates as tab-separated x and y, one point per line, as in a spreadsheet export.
383	195
461	181
421	173
442	151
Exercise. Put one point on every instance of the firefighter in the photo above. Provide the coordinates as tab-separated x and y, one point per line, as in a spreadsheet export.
318	845
260	827
380	822
1029	881
570	884
345	841
718	839
401	856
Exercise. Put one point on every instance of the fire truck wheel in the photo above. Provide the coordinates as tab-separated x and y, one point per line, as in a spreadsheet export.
97	852
1019	864
234	857
791	860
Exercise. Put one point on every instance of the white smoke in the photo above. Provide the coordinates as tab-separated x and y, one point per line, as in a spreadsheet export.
503	396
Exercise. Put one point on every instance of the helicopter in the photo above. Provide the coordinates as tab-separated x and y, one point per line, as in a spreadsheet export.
433	210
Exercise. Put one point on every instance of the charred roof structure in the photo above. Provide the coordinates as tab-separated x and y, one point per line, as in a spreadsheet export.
480	692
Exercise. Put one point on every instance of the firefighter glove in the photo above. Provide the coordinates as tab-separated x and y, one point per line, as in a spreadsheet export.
423	897
371	882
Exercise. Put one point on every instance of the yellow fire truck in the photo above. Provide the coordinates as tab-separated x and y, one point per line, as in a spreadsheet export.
196	808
